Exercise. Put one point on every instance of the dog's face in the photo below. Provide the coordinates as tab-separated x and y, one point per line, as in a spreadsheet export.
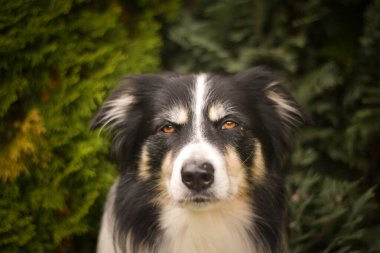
200	139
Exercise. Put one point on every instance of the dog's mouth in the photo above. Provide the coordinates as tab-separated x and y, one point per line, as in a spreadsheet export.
199	200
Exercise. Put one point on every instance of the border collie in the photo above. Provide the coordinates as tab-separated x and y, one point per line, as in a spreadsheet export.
201	160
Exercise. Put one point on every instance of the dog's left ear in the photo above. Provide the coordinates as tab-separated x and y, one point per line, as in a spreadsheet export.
114	112
285	105
266	86
122	114
126	105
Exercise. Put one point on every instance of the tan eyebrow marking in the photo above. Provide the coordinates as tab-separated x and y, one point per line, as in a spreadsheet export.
218	111
177	115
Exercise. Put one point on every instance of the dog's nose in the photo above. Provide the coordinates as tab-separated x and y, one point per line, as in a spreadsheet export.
197	177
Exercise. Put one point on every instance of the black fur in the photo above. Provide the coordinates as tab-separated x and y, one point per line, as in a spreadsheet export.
134	210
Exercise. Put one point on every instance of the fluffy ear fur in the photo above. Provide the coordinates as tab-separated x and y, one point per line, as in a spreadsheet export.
123	115
285	105
114	111
120	115
128	102
262	80
276	105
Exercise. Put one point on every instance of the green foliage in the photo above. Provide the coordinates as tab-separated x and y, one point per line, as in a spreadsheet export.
328	215
58	59
331	52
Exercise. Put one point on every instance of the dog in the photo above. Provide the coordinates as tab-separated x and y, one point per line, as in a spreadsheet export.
201	160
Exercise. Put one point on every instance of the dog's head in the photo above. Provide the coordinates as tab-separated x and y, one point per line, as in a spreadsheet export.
202	138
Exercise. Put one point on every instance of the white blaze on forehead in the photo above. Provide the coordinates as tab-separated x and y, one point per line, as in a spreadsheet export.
199	103
199	150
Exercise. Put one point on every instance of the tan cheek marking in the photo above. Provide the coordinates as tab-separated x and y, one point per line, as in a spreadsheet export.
258	168
167	166
144	167
233	162
236	171
166	173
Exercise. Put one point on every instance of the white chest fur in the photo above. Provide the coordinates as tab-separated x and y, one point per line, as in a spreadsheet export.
220	229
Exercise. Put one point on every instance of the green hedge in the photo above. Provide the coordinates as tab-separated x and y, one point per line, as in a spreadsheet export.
58	59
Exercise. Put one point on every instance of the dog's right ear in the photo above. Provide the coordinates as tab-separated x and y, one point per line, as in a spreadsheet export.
114	112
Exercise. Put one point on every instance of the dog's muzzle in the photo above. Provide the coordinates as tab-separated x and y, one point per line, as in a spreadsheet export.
199	175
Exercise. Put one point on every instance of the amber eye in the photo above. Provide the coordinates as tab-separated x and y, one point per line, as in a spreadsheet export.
229	125
168	129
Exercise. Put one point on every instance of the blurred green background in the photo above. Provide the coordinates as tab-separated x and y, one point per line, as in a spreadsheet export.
59	59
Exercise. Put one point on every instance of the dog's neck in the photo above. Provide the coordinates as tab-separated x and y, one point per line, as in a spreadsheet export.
223	228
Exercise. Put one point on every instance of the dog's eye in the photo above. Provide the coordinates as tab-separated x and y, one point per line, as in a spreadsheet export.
229	125
168	129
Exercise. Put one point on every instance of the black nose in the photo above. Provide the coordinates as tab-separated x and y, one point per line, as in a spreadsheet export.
197	177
